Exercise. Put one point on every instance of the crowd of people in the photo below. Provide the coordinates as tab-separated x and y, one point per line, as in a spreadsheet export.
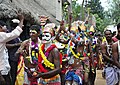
57	55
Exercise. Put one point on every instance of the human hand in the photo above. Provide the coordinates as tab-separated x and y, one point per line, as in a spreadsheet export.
34	73
62	25
20	16
37	74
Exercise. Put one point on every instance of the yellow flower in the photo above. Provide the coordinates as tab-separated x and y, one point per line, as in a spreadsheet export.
76	56
46	62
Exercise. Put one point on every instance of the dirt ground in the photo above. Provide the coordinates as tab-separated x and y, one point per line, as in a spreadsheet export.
99	79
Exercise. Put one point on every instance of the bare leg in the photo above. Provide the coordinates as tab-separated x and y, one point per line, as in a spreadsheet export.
85	78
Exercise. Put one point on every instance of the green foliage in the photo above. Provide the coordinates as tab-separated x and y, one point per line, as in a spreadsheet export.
96	8
115	11
75	10
65	11
101	24
102	18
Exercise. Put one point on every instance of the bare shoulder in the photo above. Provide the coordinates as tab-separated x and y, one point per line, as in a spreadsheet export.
114	45
55	50
103	44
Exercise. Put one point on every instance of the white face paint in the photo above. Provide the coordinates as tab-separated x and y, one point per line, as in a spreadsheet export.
46	37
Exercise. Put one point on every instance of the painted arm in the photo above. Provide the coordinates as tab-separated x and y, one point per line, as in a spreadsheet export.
57	70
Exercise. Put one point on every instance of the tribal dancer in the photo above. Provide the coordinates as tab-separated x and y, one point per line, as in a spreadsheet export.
49	61
78	69
61	42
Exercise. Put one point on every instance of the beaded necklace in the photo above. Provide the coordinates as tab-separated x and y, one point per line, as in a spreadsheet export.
109	49
34	51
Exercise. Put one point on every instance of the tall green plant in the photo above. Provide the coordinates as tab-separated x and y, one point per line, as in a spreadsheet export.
76	10
115	11
96	8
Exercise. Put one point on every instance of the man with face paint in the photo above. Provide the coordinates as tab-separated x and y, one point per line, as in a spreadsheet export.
29	49
46	37
49	61
109	69
116	52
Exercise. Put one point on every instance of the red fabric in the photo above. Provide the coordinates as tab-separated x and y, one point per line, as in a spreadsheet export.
39	58
63	71
114	39
33	81
84	54
20	63
71	44
78	38
95	62
51	48
65	55
41	68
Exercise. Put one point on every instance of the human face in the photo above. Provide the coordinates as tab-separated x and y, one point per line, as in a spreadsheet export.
108	35
33	35
46	37
43	20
